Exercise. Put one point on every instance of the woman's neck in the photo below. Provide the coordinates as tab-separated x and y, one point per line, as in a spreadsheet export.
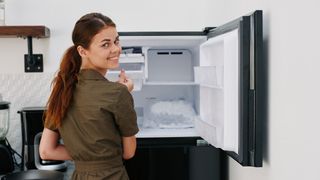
87	65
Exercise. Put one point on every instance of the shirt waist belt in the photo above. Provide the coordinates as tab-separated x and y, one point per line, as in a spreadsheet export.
95	165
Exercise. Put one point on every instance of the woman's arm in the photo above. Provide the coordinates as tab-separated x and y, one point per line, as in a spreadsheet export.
129	143
50	149
129	147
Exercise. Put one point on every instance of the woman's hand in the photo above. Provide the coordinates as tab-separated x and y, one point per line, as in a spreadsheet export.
123	79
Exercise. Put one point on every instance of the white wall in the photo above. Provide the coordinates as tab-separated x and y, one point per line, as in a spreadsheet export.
291	35
60	16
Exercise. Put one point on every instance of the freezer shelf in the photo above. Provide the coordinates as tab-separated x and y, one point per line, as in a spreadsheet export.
166	83
217	124
131	58
114	75
209	132
159	133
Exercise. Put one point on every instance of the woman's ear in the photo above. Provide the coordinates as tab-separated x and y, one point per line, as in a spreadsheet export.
82	52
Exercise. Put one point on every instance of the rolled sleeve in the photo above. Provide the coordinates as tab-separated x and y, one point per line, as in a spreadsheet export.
125	115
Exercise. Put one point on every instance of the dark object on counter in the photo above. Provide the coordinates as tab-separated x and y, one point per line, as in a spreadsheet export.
6	161
32	127
34	174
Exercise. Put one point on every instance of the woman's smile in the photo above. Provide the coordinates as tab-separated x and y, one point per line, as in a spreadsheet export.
113	58
114	61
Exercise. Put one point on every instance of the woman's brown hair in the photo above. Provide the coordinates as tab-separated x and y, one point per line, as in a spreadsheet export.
64	83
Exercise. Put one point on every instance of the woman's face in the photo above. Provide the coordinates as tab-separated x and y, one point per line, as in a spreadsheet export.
104	51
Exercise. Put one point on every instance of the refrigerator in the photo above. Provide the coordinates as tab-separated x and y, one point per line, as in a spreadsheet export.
195	90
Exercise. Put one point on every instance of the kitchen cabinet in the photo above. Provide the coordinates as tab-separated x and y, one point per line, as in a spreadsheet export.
175	159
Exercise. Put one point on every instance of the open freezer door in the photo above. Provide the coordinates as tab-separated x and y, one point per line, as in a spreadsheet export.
227	79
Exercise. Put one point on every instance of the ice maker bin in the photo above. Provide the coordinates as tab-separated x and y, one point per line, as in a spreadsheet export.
134	65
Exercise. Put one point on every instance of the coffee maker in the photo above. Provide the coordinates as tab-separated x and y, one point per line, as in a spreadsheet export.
32	127
6	160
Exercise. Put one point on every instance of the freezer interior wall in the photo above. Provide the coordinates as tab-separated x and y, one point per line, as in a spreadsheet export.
168	92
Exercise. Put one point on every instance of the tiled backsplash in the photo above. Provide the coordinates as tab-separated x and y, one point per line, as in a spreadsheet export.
23	90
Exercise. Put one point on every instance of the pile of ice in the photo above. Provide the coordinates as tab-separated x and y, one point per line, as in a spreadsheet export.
170	114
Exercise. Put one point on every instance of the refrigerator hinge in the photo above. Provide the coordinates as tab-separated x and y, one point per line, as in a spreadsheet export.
201	142
207	29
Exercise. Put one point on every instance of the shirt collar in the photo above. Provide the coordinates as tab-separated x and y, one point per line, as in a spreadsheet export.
90	74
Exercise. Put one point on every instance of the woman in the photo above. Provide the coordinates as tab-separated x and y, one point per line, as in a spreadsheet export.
94	117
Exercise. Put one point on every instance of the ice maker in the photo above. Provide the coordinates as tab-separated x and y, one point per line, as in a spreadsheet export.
214	73
32	127
132	61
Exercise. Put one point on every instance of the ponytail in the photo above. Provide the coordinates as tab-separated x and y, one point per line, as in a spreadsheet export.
63	86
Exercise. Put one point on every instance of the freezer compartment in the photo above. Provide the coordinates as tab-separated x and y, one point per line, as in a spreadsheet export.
184	89
166	111
217	73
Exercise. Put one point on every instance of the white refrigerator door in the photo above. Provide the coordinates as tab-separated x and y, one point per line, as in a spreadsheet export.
226	76
219	59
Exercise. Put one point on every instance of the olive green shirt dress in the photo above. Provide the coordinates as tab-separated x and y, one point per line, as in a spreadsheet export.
101	112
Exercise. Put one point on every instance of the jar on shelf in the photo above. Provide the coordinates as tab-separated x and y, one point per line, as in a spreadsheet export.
2	13
4	119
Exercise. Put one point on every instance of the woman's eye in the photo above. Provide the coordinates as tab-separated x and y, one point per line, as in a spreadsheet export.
117	42
105	45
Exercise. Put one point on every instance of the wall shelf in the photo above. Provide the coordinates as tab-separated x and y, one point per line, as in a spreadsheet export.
32	62
24	31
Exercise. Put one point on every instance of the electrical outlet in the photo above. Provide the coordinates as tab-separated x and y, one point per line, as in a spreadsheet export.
35	64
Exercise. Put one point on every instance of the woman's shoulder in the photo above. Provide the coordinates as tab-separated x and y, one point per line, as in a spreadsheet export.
115	86
114	94
115	90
